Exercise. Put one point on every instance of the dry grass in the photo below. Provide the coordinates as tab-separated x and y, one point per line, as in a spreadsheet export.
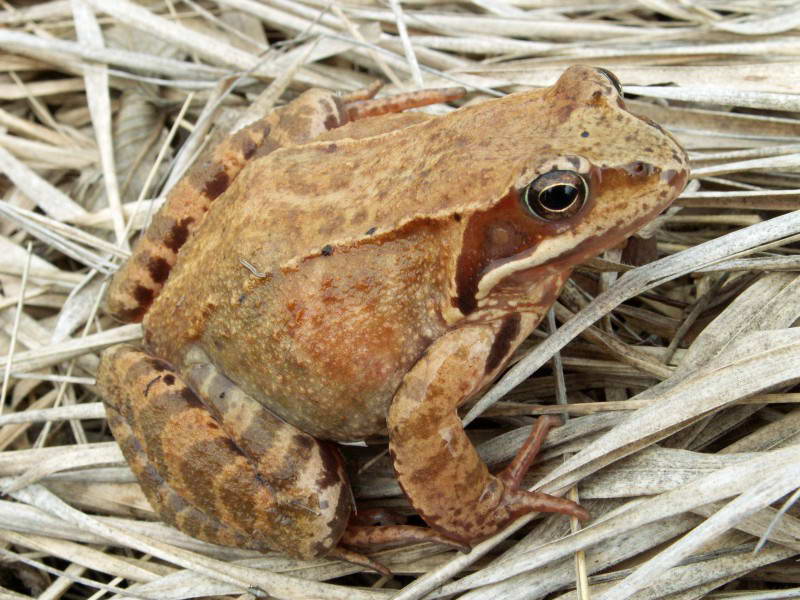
682	439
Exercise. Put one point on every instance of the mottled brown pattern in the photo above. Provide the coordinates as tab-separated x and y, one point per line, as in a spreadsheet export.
212	471
389	267
497	234
216	184
189	201
178	234
506	335
158	269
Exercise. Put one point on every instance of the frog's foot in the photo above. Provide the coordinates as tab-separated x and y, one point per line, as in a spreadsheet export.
218	467
516	501
436	464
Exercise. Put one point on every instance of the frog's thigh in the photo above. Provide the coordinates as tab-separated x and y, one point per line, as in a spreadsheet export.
437	466
238	477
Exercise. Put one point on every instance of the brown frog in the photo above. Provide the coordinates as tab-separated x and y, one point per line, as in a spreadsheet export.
325	275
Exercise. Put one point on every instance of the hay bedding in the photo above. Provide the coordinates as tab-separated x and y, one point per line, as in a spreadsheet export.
682	438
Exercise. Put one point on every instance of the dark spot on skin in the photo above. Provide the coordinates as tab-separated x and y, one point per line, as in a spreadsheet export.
158	268
158	365
331	122
640	169
169	379
327	250
502	342
217	184
231	446
191	399
330	148
249	148
331	466
242	298
564	111
457	217
144	296
178	235
584	134
371	230
221	395
150	384
253	141
131	315
303	441
675	179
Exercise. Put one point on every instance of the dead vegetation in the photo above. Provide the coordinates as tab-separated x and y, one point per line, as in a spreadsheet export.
682	438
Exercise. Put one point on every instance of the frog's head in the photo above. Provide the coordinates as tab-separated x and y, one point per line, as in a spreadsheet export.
579	174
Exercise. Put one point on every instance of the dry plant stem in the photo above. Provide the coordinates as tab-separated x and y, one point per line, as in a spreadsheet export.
12	345
762	493
96	79
698	308
581	574
279	586
715	486
32	360
624	352
57	145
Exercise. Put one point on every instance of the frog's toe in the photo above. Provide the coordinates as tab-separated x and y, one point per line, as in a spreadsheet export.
380	537
517	502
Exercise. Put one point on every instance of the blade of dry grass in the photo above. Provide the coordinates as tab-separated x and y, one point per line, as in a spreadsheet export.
722	79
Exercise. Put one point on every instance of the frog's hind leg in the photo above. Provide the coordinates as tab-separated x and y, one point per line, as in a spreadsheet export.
218	468
437	466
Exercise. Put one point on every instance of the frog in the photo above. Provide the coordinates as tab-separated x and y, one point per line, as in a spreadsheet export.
344	268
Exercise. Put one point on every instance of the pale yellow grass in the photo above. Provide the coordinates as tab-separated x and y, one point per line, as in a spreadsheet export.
682	436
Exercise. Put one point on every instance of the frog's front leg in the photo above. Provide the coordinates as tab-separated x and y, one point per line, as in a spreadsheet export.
437	466
215	465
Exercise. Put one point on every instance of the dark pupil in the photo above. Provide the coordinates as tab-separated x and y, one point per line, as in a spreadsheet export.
558	197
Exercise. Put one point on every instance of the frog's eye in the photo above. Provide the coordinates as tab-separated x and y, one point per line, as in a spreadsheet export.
556	195
612	78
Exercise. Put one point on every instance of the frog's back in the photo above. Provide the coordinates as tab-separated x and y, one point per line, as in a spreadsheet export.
301	299
324	344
